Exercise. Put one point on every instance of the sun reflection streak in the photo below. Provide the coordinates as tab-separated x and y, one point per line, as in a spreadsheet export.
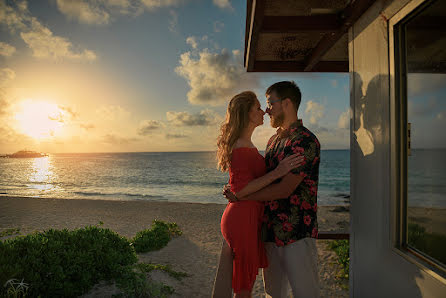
42	175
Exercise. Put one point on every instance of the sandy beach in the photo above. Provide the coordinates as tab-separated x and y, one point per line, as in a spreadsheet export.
196	252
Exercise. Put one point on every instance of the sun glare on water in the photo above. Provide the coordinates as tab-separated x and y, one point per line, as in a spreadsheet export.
39	119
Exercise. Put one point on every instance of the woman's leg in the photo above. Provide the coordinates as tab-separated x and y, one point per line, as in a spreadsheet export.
223	277
243	294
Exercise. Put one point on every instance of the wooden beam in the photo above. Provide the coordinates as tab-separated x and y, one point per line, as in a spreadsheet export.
293	24
333	235
296	66
349	15
257	14
247	27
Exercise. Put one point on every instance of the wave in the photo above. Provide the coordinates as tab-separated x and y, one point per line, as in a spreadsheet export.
94	193
218	184
342	195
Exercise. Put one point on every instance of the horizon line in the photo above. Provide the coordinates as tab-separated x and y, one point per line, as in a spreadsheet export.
108	152
194	151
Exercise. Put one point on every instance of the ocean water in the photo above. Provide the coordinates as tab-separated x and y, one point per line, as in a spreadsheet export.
166	176
426	178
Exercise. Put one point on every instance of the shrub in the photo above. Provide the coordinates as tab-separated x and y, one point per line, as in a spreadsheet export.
62	263
156	237
341	248
9	232
134	284
65	263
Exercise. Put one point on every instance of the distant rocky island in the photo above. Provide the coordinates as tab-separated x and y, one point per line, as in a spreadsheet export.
25	154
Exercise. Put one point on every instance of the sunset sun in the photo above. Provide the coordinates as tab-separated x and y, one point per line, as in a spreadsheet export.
39	119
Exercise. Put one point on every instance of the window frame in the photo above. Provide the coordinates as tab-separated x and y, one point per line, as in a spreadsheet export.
399	140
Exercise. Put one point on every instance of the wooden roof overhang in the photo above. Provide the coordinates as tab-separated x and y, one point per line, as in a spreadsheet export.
300	36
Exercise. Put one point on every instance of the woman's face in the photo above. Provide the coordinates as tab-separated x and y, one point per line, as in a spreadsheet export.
256	114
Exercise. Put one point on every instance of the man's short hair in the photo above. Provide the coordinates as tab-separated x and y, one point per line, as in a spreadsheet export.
286	89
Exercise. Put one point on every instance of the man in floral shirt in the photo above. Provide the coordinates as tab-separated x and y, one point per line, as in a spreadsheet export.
290	219
295	217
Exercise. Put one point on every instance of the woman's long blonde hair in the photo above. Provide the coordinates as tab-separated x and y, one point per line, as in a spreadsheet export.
237	119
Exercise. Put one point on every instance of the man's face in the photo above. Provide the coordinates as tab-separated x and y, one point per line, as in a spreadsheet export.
275	109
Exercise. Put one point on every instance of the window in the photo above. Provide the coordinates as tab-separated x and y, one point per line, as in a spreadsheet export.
420	87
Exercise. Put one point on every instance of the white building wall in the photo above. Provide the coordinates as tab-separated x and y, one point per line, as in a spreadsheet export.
376	268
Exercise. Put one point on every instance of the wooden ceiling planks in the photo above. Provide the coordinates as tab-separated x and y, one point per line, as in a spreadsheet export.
297	36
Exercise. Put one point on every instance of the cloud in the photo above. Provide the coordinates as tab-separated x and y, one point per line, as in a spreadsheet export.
11	140
84	12
422	109
262	134
344	120
419	83
45	45
155	4
39	38
102	12
148	126
334	83
14	17
112	112
70	111
173	21
117	140
6	50
315	111
316	129
6	75
4	105
332	138
218	26
214	78
175	136
87	126
204	118
192	41
223	4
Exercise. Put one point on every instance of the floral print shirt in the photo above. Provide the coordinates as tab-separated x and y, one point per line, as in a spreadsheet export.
290	219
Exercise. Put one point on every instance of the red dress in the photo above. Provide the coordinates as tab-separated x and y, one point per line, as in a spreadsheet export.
241	222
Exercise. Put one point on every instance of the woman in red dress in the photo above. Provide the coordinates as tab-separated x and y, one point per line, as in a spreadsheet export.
241	221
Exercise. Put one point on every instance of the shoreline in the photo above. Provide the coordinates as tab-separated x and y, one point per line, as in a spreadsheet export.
154	199
196	252
328	216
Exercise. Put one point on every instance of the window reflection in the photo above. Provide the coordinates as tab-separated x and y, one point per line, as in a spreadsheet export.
426	93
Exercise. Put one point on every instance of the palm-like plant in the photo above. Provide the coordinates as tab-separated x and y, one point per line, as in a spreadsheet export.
16	288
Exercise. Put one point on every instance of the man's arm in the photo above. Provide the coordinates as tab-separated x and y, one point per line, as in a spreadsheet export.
276	191
285	166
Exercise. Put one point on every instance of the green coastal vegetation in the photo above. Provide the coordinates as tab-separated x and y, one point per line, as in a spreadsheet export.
9	232
432	244
341	248
63	263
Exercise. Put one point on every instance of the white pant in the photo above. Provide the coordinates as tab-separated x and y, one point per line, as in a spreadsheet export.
296	264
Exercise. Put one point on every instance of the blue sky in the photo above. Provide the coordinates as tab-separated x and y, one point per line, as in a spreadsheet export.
148	75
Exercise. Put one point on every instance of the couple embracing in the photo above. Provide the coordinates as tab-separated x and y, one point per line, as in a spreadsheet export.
270	221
